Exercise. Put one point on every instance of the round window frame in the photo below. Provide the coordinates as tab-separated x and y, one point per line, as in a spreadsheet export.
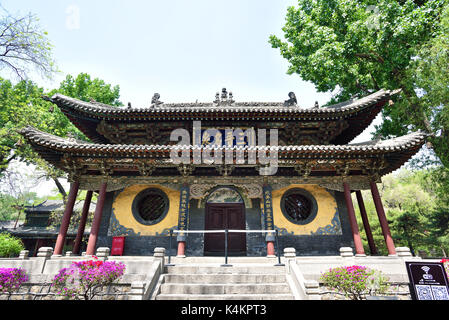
142	194
306	194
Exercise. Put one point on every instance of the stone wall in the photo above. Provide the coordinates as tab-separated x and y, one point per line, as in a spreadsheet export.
139	279
40	289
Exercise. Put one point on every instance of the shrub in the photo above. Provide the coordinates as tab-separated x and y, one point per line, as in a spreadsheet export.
10	246
11	279
85	279
355	281
445	262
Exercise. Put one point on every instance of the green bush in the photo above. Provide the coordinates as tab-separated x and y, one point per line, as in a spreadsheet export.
10	246
355	281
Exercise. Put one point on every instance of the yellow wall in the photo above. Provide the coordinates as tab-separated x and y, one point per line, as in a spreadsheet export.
327	209
123	213
324	222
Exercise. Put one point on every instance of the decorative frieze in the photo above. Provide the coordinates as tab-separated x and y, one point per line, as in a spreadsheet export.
145	168
225	169
200	190
185	169
252	186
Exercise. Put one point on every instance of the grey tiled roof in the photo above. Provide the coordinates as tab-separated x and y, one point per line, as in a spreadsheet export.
53	205
100	110
46	140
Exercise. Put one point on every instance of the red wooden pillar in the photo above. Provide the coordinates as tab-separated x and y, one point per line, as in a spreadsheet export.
353	221
96	221
82	224
181	249
369	235
270	249
382	218
66	218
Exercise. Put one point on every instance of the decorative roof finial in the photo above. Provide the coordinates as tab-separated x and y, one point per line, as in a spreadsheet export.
225	99
292	101
224	94
231	100
316	106
155	99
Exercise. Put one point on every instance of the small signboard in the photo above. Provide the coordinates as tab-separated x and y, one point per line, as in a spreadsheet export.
117	246
428	280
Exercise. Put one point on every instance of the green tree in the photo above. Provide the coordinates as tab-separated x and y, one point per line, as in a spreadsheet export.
430	73
22	104
416	208
438	221
7	203
84	88
356	47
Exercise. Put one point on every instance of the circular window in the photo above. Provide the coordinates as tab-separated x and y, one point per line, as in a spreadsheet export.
299	206
150	206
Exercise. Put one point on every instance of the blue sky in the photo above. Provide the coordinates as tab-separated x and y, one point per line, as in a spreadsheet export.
184	50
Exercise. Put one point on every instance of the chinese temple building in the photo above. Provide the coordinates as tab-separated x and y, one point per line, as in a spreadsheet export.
36	231
226	165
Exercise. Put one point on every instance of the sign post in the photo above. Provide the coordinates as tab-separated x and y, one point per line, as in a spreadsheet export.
117	246
428	280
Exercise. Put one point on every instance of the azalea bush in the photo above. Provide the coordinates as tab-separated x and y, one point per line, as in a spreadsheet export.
11	279
355	281
85	279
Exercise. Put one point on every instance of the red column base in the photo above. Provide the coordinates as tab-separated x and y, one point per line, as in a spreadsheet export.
270	249
181	248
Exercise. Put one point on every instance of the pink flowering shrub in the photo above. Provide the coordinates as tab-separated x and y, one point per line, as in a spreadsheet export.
445	262
11	279
354	281
85	279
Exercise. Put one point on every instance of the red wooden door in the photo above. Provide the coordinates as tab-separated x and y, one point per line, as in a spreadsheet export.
220	216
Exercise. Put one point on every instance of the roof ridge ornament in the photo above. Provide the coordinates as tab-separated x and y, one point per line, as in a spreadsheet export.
225	99
291	101
155	100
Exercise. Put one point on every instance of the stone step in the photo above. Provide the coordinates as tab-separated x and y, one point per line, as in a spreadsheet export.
236	269
225	278
223	289
225	297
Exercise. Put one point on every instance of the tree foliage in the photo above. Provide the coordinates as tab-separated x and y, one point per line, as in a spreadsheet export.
356	47
84	88
417	210
10	246
22	104
24	45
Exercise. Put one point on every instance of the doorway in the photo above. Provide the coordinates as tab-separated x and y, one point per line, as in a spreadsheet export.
220	216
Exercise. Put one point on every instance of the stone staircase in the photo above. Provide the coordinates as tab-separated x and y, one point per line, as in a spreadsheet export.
214	282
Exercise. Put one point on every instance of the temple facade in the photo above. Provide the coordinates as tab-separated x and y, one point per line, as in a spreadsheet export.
248	166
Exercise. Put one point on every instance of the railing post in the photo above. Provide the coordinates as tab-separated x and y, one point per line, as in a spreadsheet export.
278	250
226	250
169	250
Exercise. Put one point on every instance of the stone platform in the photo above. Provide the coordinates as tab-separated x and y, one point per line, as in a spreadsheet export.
160	277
